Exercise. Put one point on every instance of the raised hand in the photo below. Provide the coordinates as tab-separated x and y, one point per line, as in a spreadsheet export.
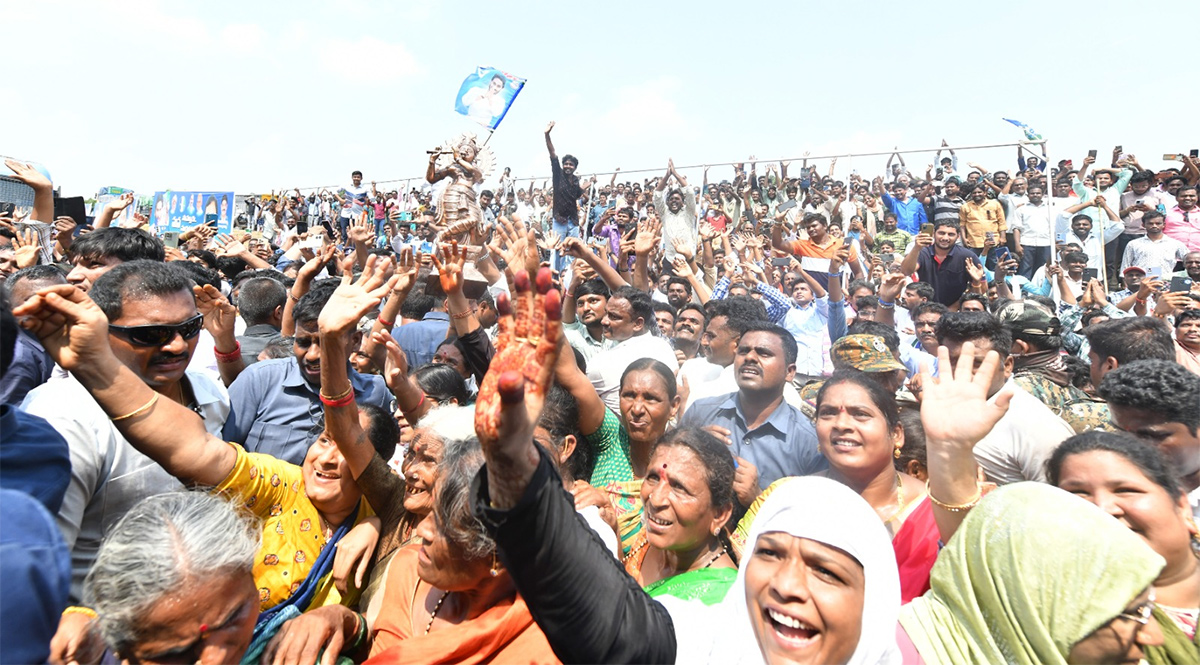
647	237
514	390
121	202
72	328
683	247
450	267
750	274
352	300
963	393
408	264
395	368
550	242
219	314
550	127
362	230
26	248
226	245
892	285
572	246
28	175
682	268
975	271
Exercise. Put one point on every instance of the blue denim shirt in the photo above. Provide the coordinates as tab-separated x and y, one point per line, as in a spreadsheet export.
274	410
420	339
784	445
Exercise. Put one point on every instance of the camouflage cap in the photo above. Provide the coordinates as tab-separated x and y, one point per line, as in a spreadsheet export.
1024	317
866	353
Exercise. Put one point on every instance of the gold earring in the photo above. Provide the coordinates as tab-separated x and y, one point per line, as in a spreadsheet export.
896	452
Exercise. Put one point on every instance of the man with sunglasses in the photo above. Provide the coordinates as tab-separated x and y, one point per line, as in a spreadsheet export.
153	329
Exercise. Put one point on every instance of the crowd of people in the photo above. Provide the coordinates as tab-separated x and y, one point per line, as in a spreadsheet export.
941	416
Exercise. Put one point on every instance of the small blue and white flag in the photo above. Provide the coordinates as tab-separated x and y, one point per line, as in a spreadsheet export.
486	95
1029	133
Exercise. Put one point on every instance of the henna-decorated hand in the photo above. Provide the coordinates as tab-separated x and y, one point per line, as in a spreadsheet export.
514	390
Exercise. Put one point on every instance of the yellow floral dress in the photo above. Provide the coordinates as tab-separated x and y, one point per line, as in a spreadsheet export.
293	538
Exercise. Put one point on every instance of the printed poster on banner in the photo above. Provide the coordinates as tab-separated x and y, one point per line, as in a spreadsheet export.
107	194
486	95
179	211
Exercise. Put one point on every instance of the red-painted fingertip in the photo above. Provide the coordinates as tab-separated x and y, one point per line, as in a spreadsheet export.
553	302
545	280
503	304
521	280
511	387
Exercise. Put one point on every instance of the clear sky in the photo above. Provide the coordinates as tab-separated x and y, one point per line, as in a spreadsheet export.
253	96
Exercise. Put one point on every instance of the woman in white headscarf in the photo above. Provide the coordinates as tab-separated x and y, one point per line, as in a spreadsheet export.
818	584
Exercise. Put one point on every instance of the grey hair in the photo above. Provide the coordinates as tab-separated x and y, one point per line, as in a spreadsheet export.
456	521
160	544
454	425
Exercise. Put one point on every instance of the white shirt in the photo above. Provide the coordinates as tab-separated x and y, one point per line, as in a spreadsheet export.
108	475
1018	446
1093	243
1034	222
606	368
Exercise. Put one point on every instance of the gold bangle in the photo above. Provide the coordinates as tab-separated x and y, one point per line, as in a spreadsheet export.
342	396
85	611
139	410
959	508
462	315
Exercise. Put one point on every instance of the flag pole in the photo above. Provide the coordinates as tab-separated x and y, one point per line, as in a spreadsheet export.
489	138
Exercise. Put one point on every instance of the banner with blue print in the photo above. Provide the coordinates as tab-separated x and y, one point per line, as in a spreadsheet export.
179	211
486	95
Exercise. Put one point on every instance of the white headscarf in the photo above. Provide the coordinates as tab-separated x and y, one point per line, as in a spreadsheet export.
818	509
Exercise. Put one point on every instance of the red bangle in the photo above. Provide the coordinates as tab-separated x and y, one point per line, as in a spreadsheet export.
343	401
417	405
384	322
229	357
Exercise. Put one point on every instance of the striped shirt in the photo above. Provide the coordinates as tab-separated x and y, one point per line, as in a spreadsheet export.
945	208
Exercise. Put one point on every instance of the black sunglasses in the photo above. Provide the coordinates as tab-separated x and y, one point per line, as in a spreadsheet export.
158	335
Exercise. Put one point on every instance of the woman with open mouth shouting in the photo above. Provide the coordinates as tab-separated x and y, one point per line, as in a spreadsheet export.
820	585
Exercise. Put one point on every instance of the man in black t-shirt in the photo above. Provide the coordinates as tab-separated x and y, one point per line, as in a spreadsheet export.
567	192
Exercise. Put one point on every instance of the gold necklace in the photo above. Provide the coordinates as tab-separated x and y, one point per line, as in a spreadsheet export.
436	607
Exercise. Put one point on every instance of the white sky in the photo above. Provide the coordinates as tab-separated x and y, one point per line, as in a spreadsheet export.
253	96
